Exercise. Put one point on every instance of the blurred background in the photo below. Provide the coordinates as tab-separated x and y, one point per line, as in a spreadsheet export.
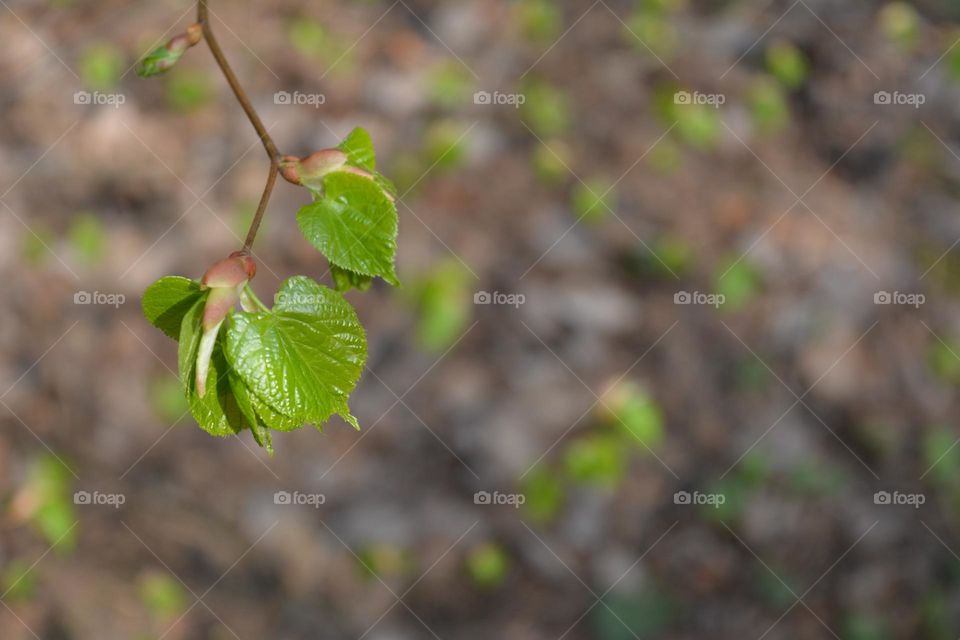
675	354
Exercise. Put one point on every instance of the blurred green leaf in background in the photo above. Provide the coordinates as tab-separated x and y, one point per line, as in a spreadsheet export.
46	500
162	595
787	63
88	238
546	109
443	301
488	565
597	459
544	493
101	65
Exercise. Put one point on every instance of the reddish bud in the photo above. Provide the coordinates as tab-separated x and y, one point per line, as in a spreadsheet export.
219	303
310	171
318	164
231	272
225	279
195	33
288	169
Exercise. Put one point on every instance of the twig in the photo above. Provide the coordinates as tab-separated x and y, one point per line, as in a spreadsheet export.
203	18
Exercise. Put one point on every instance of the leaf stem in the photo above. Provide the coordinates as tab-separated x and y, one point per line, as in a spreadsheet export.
247	289
203	18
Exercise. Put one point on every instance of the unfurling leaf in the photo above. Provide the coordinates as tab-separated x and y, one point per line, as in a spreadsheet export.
165	56
359	149
225	279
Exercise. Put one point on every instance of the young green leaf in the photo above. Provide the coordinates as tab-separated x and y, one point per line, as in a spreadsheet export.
303	358
346	279
247	407
159	60
359	149
167	300
164	57
354	224
216	411
191	329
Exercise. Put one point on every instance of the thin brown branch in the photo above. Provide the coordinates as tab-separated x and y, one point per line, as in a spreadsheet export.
203	17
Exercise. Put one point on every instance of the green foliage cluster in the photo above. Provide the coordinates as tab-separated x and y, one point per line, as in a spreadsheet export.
273	369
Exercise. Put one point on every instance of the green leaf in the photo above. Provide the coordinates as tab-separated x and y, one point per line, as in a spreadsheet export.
167	300
386	184
191	330
346	279
217	412
359	149
270	419
248	408
305	357
159	60
354	224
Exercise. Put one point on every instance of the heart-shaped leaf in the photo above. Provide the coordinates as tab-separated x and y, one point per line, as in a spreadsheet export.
303	358
354	224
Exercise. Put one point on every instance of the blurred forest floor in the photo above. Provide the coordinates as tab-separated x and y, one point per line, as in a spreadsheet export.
797	161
